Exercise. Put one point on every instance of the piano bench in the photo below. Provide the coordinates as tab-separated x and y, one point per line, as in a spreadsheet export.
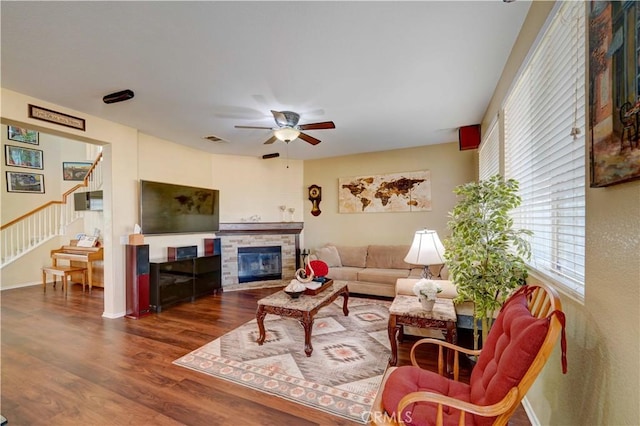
64	272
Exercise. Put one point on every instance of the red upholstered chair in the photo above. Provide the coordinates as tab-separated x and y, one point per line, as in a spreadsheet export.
517	347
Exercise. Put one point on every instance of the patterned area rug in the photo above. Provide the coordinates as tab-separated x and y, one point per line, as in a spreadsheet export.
341	376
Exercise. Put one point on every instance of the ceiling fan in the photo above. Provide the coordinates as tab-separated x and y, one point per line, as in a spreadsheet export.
288	128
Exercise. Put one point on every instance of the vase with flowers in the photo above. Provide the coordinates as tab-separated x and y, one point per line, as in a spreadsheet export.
427	292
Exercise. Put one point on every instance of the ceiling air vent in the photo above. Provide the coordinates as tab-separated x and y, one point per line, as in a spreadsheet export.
213	138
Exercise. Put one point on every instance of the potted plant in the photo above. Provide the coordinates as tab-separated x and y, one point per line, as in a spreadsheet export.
484	254
427	292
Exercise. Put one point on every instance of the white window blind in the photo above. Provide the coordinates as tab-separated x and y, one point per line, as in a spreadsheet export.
489	155
546	103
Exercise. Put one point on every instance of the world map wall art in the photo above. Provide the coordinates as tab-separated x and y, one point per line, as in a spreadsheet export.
395	192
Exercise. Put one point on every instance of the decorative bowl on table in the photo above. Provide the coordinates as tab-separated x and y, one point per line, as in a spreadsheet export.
294	294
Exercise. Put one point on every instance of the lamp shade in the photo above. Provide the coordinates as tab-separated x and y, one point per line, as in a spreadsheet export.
286	134
426	249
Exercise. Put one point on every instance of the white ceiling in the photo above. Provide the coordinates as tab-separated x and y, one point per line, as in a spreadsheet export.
388	74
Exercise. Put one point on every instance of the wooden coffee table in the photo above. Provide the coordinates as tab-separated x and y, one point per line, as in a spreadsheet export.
303	309
407	310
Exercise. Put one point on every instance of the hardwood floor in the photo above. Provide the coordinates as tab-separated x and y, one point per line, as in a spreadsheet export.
63	364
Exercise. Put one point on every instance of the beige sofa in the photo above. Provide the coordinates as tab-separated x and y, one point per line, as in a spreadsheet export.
380	270
372	269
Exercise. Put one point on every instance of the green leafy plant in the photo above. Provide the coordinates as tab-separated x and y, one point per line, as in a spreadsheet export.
484	254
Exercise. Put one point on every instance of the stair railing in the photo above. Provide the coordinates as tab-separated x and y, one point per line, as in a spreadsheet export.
34	228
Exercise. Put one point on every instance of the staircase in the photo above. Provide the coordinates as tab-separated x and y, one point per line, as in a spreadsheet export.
32	229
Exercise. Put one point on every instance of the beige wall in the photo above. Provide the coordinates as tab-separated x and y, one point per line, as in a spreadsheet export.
55	150
603	382
119	182
449	167
248	187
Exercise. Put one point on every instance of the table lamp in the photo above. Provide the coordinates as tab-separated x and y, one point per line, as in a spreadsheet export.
426	249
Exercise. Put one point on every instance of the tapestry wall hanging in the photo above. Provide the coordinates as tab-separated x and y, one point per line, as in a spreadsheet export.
395	192
614	91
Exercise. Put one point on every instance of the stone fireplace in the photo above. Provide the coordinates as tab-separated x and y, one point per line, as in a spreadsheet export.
285	235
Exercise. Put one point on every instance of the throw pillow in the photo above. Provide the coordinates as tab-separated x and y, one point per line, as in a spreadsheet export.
329	255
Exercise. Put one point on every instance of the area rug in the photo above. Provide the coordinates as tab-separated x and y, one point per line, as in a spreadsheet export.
342	375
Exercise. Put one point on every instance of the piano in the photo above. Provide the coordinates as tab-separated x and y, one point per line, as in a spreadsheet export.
78	255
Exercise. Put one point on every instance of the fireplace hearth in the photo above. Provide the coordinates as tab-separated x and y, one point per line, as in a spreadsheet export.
259	263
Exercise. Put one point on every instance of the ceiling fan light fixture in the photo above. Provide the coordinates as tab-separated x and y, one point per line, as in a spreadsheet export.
286	134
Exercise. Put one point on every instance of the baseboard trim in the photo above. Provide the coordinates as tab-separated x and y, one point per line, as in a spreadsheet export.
22	285
530	413
113	316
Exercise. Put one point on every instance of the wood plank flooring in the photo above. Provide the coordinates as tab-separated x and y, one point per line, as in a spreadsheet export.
63	364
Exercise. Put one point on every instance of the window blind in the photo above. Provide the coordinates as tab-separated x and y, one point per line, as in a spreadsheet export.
489	154
546	103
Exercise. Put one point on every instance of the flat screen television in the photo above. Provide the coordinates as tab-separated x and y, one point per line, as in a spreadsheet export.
167	208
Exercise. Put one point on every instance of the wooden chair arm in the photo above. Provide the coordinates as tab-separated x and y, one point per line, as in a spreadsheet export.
441	361
446	345
465	407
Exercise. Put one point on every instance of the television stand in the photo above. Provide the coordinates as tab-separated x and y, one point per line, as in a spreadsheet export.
175	281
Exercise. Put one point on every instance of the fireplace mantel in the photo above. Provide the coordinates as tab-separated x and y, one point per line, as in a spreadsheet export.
247	228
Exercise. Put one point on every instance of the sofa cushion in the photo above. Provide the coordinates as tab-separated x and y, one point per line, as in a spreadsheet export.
386	276
388	257
345	273
353	256
329	255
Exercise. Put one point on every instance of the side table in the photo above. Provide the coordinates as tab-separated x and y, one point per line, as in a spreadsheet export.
407	310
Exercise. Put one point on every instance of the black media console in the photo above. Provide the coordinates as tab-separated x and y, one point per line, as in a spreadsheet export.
174	281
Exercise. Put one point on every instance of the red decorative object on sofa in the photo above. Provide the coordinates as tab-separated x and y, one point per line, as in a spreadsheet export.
320	269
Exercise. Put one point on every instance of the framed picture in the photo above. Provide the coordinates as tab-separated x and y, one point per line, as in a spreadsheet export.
614	92
19	134
395	192
56	117
25	182
23	157
75	170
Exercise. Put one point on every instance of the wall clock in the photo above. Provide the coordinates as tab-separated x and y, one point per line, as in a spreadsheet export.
315	196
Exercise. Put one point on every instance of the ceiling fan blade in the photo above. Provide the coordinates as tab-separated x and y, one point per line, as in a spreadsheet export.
252	127
271	140
310	139
318	126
